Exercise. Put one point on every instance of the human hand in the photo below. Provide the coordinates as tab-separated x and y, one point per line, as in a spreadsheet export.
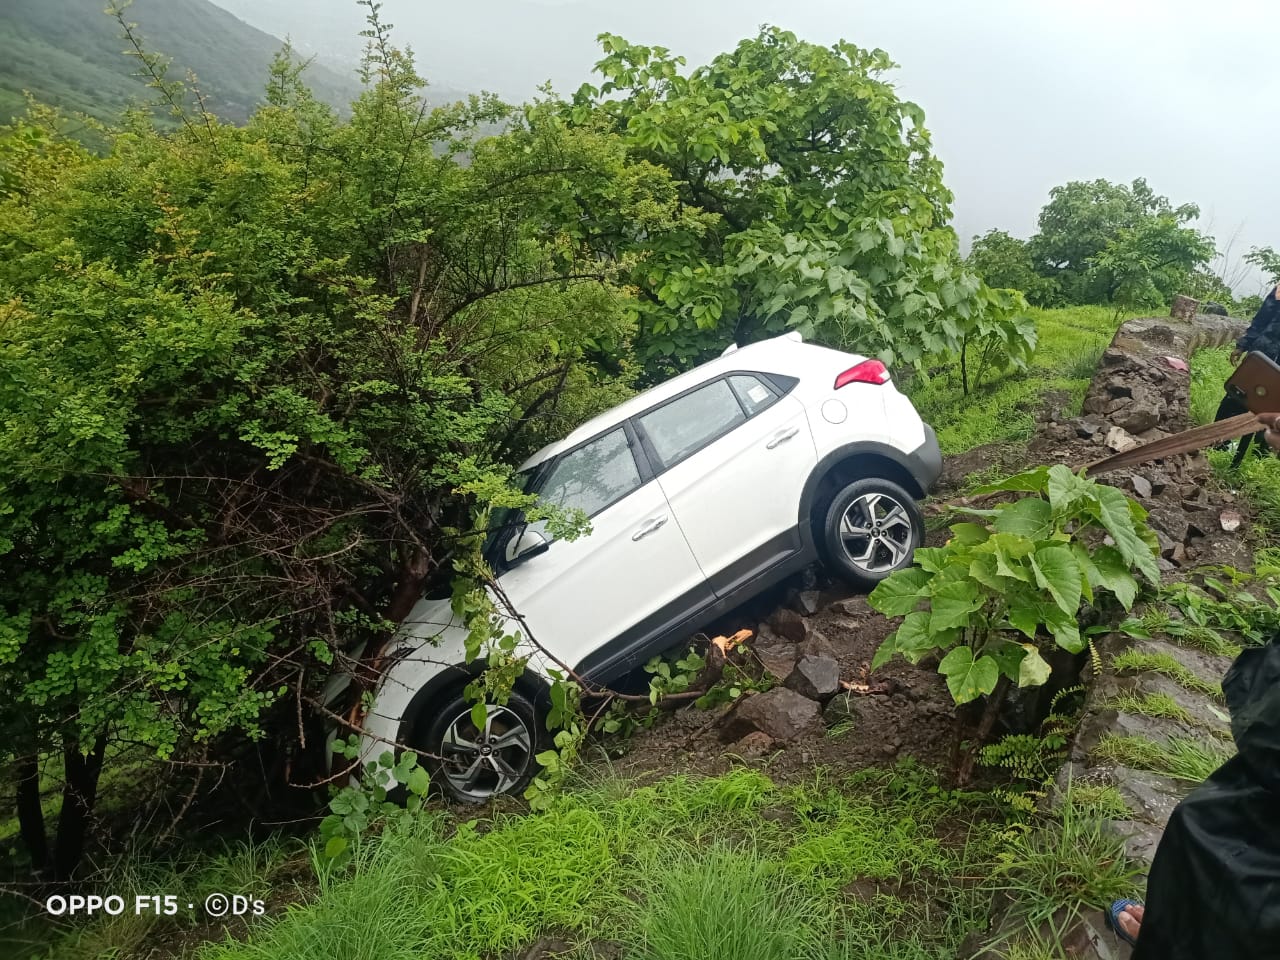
1271	421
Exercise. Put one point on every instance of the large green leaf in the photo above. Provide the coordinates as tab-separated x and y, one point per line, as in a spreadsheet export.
1066	489
967	678
1029	517
1114	513
1114	575
953	604
900	593
1065	629
1029	480
1056	570
914	639
1034	670
969	534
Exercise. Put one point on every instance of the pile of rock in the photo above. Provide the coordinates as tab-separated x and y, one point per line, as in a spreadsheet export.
803	662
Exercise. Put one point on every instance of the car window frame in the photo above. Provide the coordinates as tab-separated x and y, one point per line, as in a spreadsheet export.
770	382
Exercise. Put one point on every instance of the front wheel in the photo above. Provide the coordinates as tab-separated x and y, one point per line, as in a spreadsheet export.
473	764
871	529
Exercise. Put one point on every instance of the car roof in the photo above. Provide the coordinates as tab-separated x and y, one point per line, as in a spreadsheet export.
750	357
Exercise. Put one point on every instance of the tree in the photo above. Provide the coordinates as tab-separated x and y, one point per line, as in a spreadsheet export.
254	385
1005	261
1268	261
1083	217
820	205
1145	265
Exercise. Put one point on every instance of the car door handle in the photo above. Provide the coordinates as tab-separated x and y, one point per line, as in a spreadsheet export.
782	437
652	525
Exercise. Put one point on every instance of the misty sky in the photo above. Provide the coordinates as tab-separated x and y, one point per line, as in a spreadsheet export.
1020	95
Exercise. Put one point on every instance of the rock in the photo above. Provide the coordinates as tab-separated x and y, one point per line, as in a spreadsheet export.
753	745
1137	417
789	624
855	607
891	748
777	659
1172	522
807	602
1119	390
1119	440
817	678
1141	486
1230	520
779	713
1086	428
817	646
1166	543
1159	481
1164	565
1214	308
1179	555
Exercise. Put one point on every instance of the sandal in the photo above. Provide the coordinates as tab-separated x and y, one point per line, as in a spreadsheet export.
1113	919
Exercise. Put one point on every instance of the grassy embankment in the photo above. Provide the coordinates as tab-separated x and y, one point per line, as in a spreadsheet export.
1003	409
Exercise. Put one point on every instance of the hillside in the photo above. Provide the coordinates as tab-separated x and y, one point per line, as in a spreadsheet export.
69	54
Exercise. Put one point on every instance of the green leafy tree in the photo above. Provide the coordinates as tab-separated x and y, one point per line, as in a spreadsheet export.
1268	261
1083	217
820	204
1145	265
254	385
1005	261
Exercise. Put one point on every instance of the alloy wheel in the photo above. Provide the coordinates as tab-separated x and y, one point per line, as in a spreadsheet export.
875	533
480	763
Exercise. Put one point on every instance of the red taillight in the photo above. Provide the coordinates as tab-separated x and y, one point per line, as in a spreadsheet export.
868	371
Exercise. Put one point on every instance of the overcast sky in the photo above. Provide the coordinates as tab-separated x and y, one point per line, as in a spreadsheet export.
1020	95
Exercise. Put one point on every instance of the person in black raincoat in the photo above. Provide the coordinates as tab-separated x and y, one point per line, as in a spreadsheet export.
1214	887
1263	336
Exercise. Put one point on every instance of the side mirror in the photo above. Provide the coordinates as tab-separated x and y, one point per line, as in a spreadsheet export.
525	545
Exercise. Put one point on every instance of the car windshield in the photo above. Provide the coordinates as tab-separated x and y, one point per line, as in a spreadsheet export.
503	518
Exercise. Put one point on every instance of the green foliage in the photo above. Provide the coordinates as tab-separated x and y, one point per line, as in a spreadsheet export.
257	381
1210	370
1268	261
1117	243
1024	572
1032	760
1180	758
1005	261
1159	705
829	222
1146	264
1060	865
355	808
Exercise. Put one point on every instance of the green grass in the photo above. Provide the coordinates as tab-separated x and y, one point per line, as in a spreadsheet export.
1159	705
1182	759
1169	666
1003	409
882	865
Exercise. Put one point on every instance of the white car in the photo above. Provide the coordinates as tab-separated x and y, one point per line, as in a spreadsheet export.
701	492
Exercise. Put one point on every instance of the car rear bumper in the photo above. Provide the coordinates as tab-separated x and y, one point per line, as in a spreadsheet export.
925	461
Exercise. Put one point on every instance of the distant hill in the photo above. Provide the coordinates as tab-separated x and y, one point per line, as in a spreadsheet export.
69	54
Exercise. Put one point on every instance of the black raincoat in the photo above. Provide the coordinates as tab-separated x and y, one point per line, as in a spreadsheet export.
1214	888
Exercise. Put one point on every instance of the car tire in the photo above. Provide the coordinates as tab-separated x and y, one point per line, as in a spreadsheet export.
473	766
871	529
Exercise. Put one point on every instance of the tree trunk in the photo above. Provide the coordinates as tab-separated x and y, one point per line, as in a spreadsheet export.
994	702
964	366
78	798
31	814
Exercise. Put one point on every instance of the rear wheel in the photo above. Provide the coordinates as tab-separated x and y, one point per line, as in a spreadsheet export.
473	764
872	528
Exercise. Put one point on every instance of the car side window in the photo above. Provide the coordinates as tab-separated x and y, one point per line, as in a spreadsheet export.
594	476
755	394
684	426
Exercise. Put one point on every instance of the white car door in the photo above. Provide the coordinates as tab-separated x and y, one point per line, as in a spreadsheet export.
734	456
598	602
